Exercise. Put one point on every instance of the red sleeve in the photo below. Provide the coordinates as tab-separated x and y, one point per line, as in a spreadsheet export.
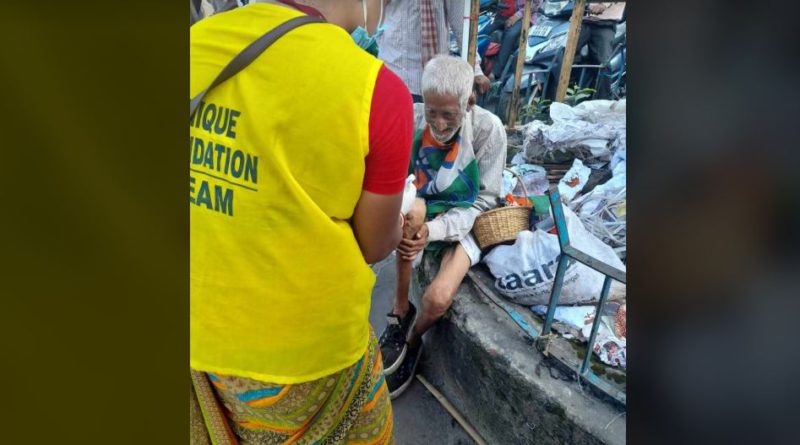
391	126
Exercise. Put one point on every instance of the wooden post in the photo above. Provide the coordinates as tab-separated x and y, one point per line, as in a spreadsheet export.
474	11
523	43
569	51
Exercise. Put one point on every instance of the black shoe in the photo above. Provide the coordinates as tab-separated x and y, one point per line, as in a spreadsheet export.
399	381
393	339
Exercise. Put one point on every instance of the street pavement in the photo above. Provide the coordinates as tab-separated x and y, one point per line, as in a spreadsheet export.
419	419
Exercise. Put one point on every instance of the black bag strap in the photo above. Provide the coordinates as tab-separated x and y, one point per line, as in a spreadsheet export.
249	54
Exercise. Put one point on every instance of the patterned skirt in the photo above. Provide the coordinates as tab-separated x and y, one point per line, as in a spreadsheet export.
351	406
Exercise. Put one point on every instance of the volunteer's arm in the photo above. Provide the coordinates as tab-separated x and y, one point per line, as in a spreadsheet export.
377	223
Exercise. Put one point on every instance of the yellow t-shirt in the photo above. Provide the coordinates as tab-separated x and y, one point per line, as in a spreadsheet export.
279	288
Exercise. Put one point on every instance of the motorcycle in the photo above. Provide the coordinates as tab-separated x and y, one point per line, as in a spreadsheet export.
543	55
488	44
486	17
617	66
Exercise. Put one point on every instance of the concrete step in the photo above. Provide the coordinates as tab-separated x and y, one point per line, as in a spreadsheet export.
487	368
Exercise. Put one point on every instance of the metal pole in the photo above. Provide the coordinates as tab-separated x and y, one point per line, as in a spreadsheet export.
559	219
569	51
563	241
465	25
555	293
523	39
596	324
473	31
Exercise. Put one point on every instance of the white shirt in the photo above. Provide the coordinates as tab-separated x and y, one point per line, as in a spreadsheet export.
400	45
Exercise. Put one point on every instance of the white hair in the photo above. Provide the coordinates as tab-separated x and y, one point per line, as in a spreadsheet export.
448	75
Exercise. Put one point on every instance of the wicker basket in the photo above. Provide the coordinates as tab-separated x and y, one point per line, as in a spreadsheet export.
503	224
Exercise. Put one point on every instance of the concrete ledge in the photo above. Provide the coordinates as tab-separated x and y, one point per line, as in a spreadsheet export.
493	374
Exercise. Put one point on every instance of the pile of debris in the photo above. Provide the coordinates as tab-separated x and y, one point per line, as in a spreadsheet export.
592	138
591	131
583	151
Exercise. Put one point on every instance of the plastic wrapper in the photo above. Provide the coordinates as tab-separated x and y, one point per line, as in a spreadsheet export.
591	131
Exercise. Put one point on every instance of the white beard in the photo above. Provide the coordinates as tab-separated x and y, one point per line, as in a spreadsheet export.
446	137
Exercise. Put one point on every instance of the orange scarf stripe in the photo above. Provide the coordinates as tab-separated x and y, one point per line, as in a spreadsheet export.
452	154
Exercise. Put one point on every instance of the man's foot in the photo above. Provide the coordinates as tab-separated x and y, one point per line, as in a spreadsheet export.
401	379
393	339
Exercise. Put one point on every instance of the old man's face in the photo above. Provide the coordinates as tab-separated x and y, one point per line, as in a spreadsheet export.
444	115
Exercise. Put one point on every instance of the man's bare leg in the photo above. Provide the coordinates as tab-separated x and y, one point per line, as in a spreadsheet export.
440	293
415	218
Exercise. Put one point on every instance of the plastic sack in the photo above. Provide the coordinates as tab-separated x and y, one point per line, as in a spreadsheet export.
590	131
409	194
602	111
524	272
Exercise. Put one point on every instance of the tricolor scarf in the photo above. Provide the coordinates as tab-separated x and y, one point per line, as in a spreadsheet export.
446	174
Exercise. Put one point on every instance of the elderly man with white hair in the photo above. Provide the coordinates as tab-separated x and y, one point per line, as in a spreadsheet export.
458	155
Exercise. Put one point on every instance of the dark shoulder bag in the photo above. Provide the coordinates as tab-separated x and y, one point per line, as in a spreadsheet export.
249	54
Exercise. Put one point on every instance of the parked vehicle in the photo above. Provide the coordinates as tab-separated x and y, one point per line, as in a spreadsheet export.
488	12
617	64
543	56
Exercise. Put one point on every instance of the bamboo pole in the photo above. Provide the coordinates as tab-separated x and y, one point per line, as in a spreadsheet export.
453	411
473	31
523	43
569	51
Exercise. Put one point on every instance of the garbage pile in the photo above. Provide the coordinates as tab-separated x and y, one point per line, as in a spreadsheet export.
583	153
590	131
611	342
592	137
603	210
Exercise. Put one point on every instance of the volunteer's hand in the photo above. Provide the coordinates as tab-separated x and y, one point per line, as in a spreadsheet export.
483	83
511	21
409	248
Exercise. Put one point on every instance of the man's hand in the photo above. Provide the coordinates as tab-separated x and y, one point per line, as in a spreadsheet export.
511	21
409	248
482	83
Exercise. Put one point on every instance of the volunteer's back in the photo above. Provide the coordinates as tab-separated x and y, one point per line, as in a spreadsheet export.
277	168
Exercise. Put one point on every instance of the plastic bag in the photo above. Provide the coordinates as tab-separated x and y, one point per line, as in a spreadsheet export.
610	347
533	176
524	272
573	181
518	159
603	210
409	194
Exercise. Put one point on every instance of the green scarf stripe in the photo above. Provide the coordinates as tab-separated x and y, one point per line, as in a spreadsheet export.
456	189
457	194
